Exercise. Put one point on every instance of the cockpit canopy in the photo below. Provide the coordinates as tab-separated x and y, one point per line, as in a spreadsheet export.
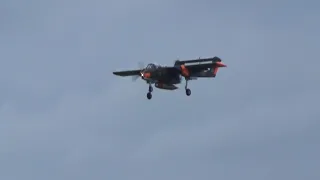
152	66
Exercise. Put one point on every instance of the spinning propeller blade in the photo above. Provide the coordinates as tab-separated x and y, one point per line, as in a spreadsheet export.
134	78
141	67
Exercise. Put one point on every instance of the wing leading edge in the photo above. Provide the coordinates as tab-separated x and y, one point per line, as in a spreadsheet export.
198	61
127	73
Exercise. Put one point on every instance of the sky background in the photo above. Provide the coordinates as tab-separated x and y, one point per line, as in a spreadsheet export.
64	115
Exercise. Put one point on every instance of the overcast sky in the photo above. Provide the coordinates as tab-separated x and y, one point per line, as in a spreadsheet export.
64	115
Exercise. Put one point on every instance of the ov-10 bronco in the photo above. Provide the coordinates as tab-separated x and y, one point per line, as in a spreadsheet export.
167	77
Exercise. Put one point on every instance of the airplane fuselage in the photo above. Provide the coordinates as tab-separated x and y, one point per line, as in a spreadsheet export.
166	79
163	77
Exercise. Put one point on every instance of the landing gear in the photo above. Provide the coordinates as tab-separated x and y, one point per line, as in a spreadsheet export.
188	91
149	95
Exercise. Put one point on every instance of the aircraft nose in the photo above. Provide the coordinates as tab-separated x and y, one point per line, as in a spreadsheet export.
145	75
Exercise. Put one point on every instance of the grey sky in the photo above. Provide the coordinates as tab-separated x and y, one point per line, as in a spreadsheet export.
64	115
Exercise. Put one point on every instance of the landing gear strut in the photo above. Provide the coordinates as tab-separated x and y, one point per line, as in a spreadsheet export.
188	91
149	95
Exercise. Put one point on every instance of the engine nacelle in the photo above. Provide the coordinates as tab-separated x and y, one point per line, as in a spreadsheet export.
165	86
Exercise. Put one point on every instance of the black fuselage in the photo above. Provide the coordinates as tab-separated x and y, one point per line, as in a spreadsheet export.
164	75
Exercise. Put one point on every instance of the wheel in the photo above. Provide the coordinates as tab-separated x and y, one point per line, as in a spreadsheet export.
188	92
150	89
149	95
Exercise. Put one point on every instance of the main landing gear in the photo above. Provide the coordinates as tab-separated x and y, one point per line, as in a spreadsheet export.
149	95
188	91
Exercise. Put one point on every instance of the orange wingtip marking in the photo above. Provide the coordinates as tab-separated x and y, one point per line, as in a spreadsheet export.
220	64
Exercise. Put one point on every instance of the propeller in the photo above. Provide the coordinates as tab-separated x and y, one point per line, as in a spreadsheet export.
141	67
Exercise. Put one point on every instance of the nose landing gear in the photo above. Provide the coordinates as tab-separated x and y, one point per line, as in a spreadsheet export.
149	95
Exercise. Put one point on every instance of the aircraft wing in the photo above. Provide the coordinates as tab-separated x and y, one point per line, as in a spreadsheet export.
202	64
127	73
198	61
199	67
